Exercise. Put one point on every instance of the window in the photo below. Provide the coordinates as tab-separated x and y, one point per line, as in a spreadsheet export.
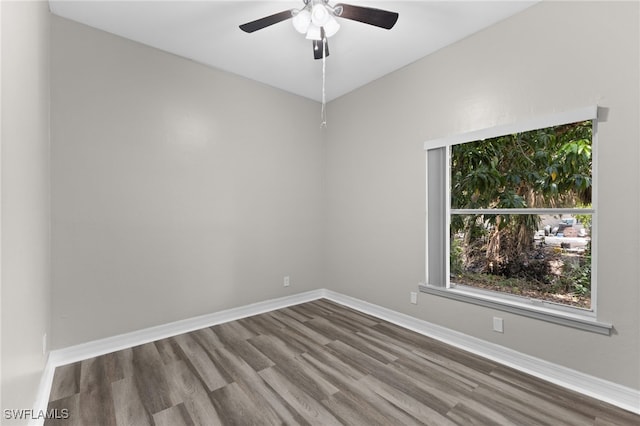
511	218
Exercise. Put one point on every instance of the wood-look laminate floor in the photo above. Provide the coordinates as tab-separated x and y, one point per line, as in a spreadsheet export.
317	363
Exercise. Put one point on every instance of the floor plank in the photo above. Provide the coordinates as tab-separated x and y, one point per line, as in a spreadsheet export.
317	363
236	408
251	384
173	416
95	397
66	381
201	362
412	406
308	407
150	378
127	404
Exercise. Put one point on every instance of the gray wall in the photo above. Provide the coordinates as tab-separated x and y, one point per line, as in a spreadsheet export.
177	190
554	56
25	284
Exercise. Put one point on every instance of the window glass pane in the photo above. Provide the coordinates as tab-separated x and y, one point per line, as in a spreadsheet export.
545	168
545	257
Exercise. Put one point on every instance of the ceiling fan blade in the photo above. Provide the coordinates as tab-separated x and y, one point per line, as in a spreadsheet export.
317	49
368	15
261	23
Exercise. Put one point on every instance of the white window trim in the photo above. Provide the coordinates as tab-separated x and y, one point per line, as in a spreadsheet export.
556	119
555	313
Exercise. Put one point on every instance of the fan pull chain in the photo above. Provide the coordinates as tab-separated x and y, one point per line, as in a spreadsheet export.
323	111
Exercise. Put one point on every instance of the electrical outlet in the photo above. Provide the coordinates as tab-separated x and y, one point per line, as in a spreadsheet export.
287	281
498	325
414	297
44	344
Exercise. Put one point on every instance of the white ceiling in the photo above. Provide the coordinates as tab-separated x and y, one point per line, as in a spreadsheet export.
207	32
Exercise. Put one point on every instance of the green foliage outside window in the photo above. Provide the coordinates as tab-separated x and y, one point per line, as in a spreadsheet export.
545	168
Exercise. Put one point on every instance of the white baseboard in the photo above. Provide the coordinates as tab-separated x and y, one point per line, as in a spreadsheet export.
612	393
107	345
44	390
621	396
122	341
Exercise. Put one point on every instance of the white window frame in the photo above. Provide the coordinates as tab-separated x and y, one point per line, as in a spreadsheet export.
584	319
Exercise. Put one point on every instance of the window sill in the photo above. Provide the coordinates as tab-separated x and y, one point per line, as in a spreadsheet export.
566	316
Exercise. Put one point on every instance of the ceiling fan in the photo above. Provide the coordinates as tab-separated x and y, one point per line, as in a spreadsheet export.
317	19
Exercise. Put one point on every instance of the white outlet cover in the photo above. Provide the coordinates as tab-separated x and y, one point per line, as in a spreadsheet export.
498	324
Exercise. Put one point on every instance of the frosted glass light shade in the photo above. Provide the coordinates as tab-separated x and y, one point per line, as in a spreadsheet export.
331	27
301	21
314	33
319	15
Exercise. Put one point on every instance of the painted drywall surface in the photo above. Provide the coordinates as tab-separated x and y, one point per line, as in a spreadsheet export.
554	56
178	190
25	287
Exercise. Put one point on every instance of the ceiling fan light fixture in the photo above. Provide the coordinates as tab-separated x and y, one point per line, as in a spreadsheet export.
317	19
301	21
331	27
